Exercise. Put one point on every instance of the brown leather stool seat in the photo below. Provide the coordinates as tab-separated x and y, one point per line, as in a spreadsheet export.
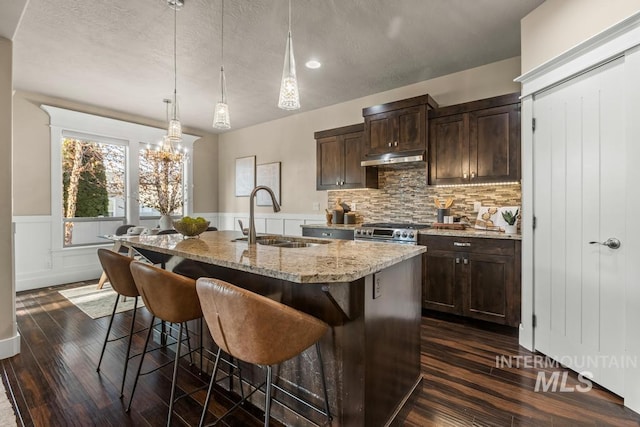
116	267
258	330
169	297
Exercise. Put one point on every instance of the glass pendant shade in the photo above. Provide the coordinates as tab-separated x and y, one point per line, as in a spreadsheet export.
289	96
221	118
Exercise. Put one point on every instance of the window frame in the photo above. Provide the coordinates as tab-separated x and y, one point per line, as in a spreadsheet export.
68	123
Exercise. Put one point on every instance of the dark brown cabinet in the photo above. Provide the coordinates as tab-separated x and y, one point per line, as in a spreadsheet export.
397	126
338	154
475	142
473	277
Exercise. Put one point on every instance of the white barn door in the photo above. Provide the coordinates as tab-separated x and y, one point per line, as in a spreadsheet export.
578	198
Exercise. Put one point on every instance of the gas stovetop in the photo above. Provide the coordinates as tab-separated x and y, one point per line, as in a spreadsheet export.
389	232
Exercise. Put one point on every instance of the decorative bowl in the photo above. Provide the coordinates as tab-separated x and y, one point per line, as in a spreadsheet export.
190	227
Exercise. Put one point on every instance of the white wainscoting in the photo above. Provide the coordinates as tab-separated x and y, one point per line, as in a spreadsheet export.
38	265
272	223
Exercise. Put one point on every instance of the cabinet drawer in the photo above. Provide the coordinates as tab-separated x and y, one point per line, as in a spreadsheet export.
468	244
327	233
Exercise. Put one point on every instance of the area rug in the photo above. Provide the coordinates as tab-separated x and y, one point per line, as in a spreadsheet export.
7	415
97	303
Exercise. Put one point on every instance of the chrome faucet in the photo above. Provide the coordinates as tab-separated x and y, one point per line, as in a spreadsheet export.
252	223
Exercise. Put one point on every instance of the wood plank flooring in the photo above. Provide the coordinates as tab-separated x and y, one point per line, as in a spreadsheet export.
54	382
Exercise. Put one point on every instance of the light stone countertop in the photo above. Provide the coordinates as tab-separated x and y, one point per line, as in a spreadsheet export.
333	226
469	232
334	262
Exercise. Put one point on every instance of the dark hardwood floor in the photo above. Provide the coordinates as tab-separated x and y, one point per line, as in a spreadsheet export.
54	382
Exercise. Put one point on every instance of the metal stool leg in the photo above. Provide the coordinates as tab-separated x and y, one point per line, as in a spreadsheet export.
175	374
211	383
267	399
324	383
188	342
126	360
106	338
144	351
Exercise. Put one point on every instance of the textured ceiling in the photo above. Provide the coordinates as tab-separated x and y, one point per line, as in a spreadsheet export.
119	54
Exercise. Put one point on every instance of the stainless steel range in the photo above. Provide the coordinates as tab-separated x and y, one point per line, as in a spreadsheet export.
406	233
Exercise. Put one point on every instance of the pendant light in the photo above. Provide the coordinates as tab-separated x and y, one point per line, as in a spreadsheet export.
289	96
174	132
221	113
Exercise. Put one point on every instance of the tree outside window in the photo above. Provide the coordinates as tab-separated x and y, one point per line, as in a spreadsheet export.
93	181
160	183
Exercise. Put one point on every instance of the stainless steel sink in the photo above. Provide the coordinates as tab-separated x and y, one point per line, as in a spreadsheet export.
285	242
295	245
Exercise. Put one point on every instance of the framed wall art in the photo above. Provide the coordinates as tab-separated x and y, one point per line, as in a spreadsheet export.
245	175
268	174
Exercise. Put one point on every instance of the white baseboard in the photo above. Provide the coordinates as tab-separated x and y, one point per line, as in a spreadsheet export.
9	347
37	280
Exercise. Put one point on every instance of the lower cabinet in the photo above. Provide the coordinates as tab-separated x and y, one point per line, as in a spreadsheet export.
473	277
328	233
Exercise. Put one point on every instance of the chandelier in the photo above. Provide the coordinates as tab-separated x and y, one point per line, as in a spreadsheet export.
167	150
289	96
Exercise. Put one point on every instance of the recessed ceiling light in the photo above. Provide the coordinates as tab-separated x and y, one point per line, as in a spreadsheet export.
313	64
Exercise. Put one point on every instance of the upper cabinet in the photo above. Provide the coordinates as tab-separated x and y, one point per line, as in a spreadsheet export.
338	154
397	126
476	142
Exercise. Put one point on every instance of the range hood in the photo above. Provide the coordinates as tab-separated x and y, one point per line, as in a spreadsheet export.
394	158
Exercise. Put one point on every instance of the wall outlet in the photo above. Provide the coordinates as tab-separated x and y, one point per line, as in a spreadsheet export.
316	206
353	206
377	287
477	206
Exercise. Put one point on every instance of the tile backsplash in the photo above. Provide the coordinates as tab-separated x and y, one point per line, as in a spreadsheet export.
404	196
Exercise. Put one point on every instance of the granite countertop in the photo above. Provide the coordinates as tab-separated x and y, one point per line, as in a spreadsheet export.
333	226
333	262
469	232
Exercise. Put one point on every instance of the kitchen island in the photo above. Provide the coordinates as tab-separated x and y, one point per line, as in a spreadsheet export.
369	294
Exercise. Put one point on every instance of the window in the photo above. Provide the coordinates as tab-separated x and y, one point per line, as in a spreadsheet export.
101	179
93	187
160	183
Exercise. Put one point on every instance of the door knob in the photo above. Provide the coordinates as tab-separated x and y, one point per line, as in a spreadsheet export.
611	243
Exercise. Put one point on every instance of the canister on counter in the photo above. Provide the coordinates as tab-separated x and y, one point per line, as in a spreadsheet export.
350	218
338	216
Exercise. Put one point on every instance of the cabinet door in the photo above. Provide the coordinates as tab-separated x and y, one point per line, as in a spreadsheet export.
409	129
330	162
378	129
494	144
449	150
489	287
353	172
442	275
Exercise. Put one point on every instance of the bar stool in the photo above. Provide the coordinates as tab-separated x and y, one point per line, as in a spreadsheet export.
169	297
116	267
258	330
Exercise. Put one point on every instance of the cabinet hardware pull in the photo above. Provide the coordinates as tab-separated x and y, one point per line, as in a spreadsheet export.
465	175
473	175
395	144
325	234
466	260
342	183
457	260
464	244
